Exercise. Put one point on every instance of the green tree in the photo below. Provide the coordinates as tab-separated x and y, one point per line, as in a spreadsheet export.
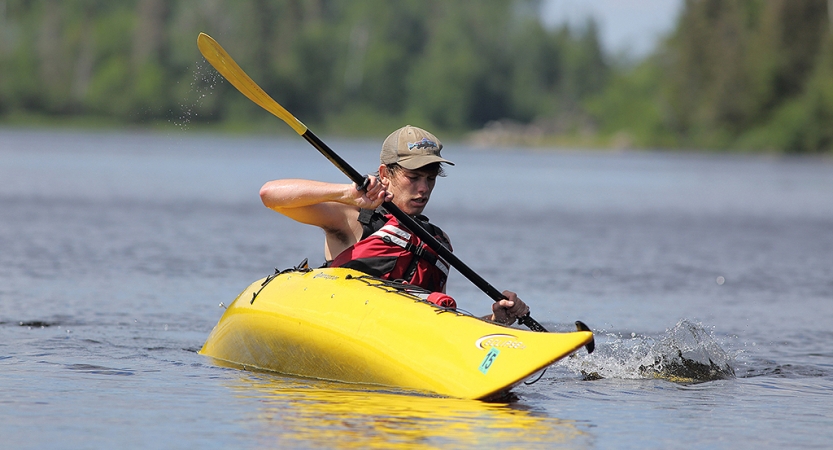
453	65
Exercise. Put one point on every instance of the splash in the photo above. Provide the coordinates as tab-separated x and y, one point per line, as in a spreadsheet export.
204	81
687	353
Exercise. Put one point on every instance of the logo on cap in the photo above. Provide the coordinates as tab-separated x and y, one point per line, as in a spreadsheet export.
424	143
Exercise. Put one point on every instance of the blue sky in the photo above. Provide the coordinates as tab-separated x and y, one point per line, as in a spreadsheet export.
625	26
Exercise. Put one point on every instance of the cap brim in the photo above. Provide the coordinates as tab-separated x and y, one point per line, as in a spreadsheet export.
419	161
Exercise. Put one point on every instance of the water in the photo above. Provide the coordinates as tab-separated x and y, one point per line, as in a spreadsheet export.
116	250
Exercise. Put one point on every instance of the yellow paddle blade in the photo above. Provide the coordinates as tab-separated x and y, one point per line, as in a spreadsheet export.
217	57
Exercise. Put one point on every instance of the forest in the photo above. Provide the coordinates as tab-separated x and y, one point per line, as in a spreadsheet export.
741	75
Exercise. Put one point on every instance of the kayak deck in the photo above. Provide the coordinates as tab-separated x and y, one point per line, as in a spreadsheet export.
342	325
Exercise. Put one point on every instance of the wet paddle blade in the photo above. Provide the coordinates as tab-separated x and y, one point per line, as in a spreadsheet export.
220	60
590	346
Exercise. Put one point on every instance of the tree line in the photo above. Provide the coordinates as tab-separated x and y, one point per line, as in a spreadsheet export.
746	74
454	65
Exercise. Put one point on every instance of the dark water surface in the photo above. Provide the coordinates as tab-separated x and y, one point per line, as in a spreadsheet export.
117	248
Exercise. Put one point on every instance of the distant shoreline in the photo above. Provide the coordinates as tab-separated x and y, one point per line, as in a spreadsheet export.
498	136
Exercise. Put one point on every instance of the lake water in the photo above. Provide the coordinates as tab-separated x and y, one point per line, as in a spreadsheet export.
116	250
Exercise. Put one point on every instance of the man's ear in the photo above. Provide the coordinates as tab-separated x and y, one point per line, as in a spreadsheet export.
384	174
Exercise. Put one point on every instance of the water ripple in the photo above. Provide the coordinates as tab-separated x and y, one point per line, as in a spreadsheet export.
99	370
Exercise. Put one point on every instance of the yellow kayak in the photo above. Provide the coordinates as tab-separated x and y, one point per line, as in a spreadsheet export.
342	325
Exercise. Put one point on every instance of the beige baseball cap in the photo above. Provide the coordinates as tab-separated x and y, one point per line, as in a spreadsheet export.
412	148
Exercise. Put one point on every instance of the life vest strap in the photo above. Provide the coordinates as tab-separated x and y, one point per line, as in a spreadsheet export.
401	238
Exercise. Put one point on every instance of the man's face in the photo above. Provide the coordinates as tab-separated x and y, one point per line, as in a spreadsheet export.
411	189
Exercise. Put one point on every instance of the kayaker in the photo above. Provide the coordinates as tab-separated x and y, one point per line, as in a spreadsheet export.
359	234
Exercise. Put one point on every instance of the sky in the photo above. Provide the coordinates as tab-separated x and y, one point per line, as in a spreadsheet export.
632	27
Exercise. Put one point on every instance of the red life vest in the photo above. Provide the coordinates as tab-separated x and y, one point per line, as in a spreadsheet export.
389	251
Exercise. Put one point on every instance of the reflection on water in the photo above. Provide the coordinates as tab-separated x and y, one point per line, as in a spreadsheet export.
332	415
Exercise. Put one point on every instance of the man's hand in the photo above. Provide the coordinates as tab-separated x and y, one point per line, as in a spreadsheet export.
373	196
506	311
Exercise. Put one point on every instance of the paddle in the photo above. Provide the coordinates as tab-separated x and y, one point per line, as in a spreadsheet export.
217	57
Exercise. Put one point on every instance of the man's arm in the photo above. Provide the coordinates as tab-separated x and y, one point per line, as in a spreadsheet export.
330	206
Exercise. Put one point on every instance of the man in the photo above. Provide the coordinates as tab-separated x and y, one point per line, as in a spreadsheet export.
360	234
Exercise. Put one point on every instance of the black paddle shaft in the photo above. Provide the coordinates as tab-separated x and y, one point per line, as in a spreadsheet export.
411	224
